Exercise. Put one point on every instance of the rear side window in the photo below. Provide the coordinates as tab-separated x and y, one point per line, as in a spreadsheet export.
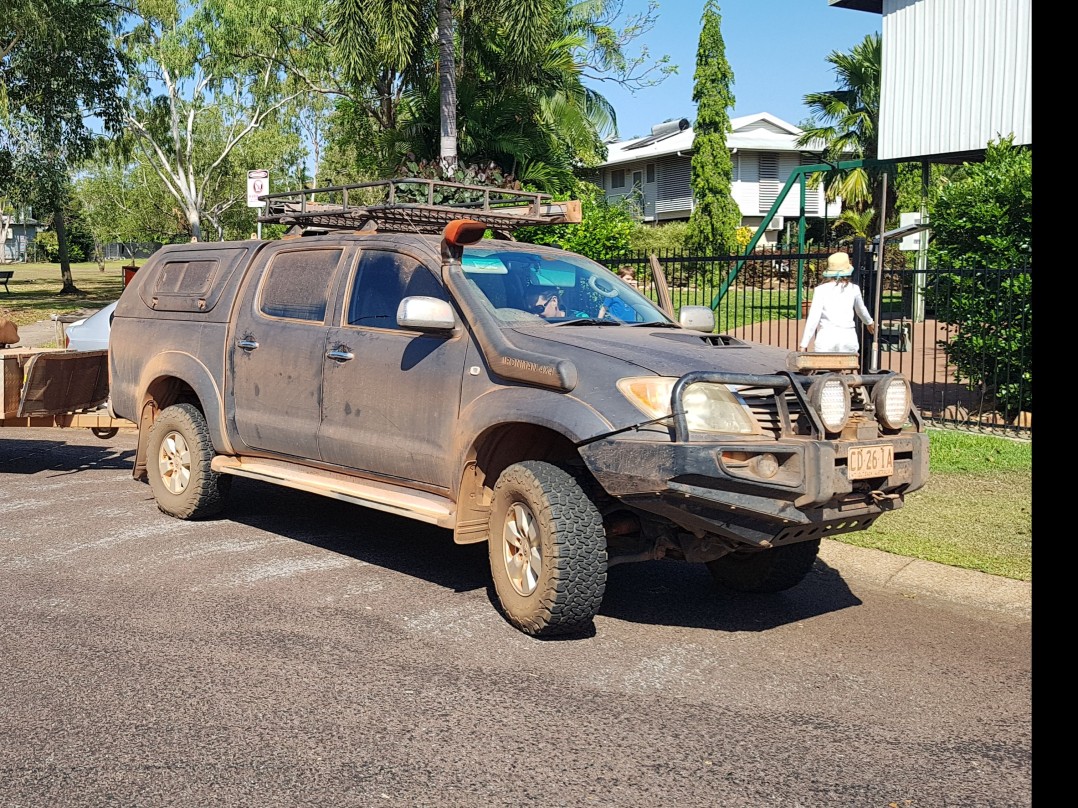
186	277
297	283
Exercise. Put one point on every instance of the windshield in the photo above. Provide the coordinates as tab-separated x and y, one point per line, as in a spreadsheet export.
564	288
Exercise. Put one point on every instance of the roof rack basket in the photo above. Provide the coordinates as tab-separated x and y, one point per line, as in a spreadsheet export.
414	206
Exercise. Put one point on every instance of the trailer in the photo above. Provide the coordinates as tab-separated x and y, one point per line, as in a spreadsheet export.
57	388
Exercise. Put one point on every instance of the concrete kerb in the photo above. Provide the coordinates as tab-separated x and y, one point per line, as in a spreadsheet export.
926	578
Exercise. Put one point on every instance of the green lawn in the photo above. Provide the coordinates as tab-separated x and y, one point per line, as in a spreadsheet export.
35	290
975	511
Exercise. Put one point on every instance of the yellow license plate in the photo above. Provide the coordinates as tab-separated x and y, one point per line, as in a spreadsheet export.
870	461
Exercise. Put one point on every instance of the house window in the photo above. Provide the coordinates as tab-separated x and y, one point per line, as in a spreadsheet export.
650	172
617	178
769	180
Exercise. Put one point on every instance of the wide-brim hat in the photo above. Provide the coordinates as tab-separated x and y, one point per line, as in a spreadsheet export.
838	266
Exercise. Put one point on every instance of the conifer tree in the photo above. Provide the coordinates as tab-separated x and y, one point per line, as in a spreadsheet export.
715	216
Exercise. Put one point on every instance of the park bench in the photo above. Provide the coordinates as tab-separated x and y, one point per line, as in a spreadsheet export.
5	276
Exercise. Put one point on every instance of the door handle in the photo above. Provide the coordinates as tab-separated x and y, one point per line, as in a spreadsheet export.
247	344
341	355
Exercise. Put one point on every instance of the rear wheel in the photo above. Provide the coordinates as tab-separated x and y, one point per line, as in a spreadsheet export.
178	456
765	571
547	550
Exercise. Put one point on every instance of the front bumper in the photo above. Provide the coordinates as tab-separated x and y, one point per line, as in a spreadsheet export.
800	491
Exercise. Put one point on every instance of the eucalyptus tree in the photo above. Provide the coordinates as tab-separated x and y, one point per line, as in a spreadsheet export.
715	215
211	76
846	120
58	67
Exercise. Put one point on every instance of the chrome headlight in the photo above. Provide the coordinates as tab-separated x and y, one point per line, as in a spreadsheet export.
892	400
829	395
708	407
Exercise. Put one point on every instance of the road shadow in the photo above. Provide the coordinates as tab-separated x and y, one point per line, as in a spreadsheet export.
677	593
393	542
673	593
56	458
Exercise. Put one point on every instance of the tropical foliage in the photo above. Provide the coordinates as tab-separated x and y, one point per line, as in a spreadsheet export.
603	234
58	67
521	100
982	226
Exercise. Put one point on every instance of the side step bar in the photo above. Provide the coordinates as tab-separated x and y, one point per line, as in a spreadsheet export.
419	505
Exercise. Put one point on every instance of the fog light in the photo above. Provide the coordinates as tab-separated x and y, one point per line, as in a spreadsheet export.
765	465
892	400
830	397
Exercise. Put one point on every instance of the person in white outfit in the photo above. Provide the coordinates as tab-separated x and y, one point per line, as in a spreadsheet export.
834	304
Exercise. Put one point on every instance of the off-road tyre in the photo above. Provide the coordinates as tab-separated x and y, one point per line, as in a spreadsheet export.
178	456
547	550
104	432
765	571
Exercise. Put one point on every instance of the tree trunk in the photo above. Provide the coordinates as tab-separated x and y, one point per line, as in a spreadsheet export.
69	287
194	223
447	83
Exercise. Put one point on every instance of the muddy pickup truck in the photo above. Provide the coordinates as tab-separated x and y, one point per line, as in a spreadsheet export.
392	354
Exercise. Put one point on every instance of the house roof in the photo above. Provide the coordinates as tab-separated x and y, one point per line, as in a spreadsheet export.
759	132
875	6
9	220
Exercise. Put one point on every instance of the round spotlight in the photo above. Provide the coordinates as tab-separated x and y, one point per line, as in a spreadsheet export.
892	400
829	395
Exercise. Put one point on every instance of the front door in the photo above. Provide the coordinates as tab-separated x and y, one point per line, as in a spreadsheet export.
391	396
278	348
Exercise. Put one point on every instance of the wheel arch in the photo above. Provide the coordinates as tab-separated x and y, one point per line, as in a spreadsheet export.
170	378
549	426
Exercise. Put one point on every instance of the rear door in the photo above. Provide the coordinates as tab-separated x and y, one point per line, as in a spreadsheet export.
278	346
391	396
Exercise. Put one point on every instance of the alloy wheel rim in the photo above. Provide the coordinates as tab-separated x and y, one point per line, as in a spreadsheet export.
174	463
521	549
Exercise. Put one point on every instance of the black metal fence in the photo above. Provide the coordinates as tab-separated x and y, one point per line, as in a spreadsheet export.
963	337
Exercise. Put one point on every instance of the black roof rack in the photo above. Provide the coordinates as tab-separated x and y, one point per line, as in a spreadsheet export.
414	206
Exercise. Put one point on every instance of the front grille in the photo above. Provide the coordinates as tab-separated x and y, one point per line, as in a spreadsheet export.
768	408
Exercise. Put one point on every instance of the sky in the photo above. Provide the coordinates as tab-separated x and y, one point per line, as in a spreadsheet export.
777	50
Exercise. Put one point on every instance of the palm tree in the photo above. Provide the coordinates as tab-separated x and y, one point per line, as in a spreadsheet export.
852	224
846	120
387	46
521	102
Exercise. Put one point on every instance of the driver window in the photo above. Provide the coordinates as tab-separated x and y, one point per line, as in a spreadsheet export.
381	281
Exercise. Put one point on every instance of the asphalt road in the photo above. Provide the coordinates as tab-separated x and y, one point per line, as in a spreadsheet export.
303	652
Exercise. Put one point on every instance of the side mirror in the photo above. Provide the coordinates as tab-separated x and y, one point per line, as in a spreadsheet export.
697	318
426	314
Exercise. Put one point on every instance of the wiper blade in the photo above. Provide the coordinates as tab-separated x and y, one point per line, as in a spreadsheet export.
655	324
587	321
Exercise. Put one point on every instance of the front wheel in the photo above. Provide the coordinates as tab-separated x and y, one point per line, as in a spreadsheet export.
547	550
765	571
178	456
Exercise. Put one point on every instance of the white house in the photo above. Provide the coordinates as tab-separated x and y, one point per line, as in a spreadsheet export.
656	171
17	233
